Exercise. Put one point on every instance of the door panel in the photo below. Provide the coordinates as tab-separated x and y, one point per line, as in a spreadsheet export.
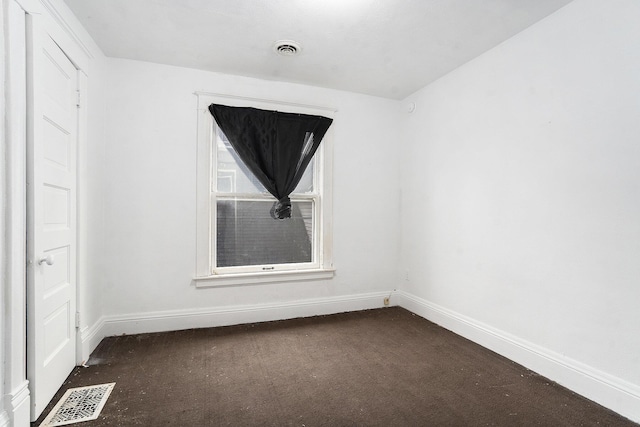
51	215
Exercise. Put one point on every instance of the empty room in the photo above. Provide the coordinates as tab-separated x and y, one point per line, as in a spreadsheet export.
344	212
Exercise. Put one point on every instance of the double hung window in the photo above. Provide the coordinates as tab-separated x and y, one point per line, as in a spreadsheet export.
238	240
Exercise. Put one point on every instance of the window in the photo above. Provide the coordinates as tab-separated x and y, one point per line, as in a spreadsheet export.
238	240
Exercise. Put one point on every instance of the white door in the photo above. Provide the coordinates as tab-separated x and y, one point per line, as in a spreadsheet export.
51	218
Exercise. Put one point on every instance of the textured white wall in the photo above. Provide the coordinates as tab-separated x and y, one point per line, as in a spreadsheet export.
521	187
150	190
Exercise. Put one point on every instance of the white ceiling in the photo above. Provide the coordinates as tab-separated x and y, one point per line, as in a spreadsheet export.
387	48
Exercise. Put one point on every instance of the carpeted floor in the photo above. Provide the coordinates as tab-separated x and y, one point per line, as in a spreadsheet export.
384	367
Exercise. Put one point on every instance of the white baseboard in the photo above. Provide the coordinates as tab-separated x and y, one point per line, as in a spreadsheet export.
20	410
173	320
4	419
90	337
612	392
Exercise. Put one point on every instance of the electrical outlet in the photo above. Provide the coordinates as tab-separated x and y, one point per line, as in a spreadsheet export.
386	301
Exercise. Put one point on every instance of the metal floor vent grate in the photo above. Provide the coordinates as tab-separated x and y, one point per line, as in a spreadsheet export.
79	404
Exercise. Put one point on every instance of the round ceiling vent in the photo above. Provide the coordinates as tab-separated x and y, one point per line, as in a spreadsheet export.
287	47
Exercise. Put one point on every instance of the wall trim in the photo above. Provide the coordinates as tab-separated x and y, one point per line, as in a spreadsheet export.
20	405
90	337
4	419
64	25
253	278
172	320
612	392
261	100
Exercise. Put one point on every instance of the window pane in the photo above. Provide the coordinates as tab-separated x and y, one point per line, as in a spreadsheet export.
247	235
306	182
235	177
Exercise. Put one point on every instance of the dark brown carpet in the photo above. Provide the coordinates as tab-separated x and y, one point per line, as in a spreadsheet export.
384	367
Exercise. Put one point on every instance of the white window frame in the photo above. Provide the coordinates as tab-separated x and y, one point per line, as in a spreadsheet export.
321	266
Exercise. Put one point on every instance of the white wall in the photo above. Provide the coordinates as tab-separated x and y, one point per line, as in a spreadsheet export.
150	192
91	217
521	190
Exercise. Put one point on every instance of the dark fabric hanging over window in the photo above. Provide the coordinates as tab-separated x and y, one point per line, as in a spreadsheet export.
275	146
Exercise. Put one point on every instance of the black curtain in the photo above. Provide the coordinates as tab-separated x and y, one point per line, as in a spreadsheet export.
275	146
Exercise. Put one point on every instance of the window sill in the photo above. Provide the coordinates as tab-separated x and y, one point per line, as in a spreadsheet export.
239	279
